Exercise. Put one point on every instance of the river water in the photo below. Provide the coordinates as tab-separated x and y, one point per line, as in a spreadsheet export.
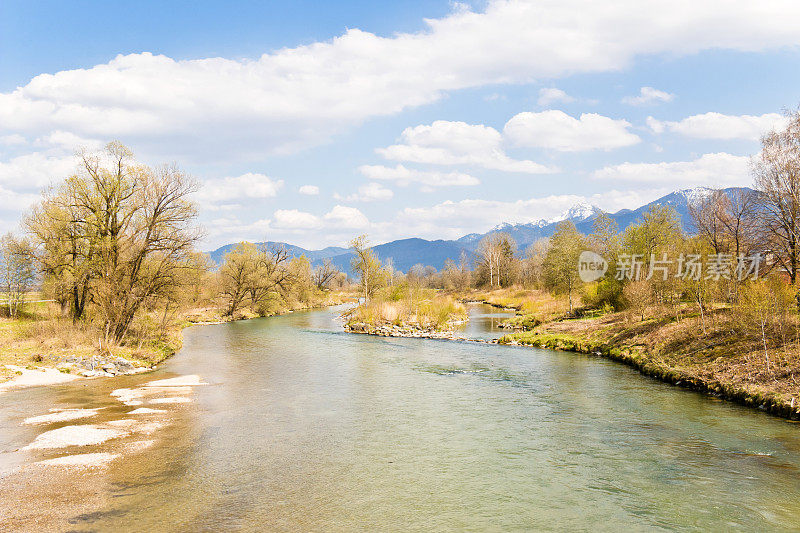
301	427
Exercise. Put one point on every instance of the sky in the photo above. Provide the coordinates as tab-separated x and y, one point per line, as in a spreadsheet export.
313	122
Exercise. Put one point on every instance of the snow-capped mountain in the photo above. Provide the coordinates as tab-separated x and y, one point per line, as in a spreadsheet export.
506	226
695	195
407	252
584	214
578	212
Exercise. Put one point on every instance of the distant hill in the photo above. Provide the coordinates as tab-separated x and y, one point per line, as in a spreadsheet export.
313	255
405	253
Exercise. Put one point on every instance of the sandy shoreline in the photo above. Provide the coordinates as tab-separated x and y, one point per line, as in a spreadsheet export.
36	377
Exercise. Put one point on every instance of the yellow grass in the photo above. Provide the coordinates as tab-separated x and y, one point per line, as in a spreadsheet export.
539	304
423	308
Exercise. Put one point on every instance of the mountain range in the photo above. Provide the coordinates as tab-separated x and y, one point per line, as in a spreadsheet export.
406	253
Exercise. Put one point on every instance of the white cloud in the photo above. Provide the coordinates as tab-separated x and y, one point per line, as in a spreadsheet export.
457	143
68	141
369	192
404	176
309	190
716	170
226	229
36	170
294	219
550	95
15	201
558	131
648	95
718	126
294	97
15	139
343	217
250	185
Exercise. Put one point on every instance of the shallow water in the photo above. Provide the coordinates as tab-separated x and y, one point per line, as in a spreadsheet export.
304	427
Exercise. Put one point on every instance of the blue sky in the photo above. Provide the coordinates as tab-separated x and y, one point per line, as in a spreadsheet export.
396	119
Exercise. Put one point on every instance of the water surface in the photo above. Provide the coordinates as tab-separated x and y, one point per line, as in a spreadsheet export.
304	427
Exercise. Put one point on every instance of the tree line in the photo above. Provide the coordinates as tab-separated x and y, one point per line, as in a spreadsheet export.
115	245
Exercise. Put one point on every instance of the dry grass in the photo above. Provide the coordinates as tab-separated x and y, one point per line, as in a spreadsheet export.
541	305
724	356
424	309
43	337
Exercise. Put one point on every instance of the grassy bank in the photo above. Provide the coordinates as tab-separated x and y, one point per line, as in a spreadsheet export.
37	340
42	338
420	310
531	305
714	357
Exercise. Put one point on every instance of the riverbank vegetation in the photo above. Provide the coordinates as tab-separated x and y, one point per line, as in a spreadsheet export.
418	308
405	301
714	308
106	272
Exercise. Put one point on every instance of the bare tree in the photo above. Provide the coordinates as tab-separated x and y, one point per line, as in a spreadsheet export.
367	265
740	221
66	249
236	273
119	232
17	272
324	274
388	266
777	177
727	220
508	266
533	264
638	295
561	262
707	215
456	276
605	237
272	274
490	253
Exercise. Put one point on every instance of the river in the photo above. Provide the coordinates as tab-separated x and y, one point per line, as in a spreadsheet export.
302	427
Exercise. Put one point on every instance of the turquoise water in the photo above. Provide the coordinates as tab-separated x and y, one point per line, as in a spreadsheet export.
304	427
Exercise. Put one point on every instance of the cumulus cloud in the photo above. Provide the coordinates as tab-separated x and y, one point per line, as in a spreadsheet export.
309	190
15	201
404	176
35	170
369	192
648	95
551	95
717	170
558	131
250	185
294	219
719	126
343	217
457	143
294	97
68	141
